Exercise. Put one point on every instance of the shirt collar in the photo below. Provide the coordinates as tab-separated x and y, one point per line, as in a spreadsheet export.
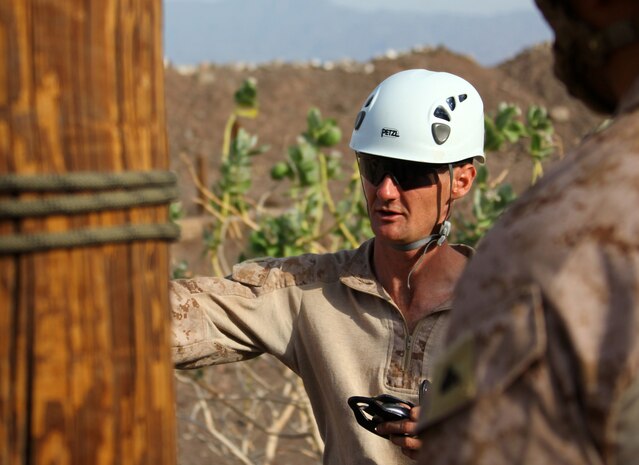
358	272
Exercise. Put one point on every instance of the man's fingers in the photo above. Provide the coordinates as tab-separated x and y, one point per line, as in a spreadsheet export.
406	442
407	427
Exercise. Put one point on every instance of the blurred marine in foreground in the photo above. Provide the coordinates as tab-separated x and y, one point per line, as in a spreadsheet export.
542	354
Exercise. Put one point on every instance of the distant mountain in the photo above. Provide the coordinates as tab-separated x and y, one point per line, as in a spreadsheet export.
259	31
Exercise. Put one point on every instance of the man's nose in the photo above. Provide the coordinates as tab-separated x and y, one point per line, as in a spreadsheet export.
388	187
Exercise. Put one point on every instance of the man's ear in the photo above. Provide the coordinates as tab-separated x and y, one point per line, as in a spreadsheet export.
463	180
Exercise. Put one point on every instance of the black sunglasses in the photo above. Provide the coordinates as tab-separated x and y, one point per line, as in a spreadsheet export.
407	174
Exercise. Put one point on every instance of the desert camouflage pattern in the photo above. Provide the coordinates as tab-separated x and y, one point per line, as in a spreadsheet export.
412	355
328	319
542	357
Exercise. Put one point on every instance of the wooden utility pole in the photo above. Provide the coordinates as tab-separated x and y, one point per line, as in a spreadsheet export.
85	371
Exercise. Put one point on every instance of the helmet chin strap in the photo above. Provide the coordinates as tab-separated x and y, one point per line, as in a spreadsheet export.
426	242
440	237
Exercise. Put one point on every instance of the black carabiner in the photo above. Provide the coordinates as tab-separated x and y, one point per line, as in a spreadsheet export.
371	411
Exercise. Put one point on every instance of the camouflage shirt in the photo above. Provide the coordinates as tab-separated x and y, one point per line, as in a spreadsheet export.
328	319
542	357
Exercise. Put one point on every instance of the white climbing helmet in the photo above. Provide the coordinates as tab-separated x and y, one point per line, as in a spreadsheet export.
423	116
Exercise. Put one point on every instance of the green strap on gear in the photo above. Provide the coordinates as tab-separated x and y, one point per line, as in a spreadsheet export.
141	188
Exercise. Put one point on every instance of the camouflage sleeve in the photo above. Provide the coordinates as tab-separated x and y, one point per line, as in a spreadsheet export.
222	320
549	373
495	399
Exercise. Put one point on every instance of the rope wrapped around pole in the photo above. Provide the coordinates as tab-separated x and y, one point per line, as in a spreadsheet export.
135	189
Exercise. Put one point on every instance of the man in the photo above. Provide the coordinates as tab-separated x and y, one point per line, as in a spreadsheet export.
358	322
542	357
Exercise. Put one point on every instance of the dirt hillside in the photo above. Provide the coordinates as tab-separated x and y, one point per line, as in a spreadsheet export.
199	101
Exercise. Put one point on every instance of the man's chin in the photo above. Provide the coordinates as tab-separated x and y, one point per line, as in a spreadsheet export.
392	240
388	233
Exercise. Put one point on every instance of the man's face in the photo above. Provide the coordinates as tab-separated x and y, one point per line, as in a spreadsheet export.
405	200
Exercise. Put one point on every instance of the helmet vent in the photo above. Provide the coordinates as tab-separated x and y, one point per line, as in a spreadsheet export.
440	112
451	103
441	132
359	119
462	97
369	100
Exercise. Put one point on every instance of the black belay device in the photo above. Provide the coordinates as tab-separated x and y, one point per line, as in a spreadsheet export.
371	411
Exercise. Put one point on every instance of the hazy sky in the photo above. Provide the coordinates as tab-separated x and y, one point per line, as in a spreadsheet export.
457	6
184	31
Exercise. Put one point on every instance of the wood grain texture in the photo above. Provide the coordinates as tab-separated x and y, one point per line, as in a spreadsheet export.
85	370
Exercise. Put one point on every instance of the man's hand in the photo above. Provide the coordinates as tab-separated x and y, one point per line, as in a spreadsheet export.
402	433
